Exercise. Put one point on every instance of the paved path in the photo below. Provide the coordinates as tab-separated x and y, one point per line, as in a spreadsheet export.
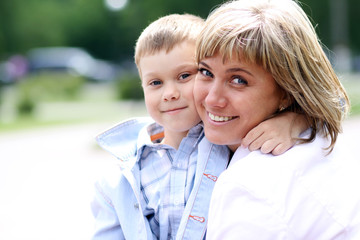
46	180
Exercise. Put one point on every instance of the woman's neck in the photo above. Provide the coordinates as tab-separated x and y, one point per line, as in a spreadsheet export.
234	147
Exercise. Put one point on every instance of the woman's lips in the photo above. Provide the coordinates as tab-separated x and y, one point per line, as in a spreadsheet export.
217	118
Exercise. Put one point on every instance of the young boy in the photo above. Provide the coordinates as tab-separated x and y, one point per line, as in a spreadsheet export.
162	184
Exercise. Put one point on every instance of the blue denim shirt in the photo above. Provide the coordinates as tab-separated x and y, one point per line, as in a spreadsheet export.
117	206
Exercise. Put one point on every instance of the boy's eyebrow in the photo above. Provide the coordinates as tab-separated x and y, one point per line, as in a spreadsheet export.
186	65
149	75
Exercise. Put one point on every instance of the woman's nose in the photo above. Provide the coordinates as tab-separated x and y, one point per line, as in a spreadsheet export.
216	96
171	92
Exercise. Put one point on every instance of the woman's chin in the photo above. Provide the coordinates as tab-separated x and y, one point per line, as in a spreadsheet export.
218	138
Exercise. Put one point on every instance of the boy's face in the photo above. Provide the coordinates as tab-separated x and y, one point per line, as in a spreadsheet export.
168	80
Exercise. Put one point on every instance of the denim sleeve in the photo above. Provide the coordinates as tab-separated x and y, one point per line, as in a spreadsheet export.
107	225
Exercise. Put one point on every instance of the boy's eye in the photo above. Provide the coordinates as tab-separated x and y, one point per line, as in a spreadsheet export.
184	76
155	83
239	81
205	72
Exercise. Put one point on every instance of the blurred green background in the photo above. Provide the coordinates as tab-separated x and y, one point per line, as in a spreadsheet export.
67	61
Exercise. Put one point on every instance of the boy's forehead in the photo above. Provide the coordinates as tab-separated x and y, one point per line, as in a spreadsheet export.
188	44
182	46
180	58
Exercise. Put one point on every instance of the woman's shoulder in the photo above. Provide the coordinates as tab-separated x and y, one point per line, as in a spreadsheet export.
268	173
306	171
306	180
300	153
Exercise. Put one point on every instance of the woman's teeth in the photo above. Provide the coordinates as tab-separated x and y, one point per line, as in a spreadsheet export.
219	118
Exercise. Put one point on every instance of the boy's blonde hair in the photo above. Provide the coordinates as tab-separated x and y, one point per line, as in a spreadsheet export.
277	35
167	32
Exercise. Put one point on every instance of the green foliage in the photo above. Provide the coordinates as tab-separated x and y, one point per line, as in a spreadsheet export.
352	86
26	104
46	87
354	19
1	86
129	87
87	24
112	35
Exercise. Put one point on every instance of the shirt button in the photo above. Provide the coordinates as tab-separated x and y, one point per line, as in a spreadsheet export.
136	205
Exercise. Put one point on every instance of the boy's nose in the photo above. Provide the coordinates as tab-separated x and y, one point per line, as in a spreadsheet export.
171	93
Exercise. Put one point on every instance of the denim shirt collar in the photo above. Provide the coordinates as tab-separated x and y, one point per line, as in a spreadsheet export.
127	139
122	140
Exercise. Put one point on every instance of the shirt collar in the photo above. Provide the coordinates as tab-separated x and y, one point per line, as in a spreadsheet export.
153	134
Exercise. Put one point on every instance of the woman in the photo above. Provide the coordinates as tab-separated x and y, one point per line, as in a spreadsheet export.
256	59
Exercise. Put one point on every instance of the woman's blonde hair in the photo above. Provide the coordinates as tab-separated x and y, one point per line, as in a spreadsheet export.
166	32
277	35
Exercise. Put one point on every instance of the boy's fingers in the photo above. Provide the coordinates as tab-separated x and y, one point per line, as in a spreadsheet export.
268	146
257	143
281	148
251	137
245	142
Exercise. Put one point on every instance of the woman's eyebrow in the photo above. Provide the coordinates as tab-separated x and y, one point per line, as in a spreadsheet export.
202	63
230	70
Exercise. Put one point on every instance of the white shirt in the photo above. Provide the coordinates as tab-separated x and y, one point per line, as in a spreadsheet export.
302	194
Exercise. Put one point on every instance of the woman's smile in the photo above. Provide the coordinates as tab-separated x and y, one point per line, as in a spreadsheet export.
217	118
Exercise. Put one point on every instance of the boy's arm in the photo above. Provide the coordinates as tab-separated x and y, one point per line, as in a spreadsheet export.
276	135
107	225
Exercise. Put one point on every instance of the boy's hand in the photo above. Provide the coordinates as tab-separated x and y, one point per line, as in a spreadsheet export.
276	135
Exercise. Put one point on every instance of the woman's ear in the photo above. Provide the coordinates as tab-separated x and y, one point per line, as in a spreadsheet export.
285	101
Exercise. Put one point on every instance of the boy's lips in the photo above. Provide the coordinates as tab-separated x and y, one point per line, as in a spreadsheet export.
173	110
218	118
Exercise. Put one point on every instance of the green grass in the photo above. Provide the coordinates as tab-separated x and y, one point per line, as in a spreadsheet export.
96	103
27	123
352	86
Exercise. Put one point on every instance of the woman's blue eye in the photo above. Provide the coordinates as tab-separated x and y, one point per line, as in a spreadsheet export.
205	72
239	80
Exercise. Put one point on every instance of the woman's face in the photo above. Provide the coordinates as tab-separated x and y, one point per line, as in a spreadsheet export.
232	97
